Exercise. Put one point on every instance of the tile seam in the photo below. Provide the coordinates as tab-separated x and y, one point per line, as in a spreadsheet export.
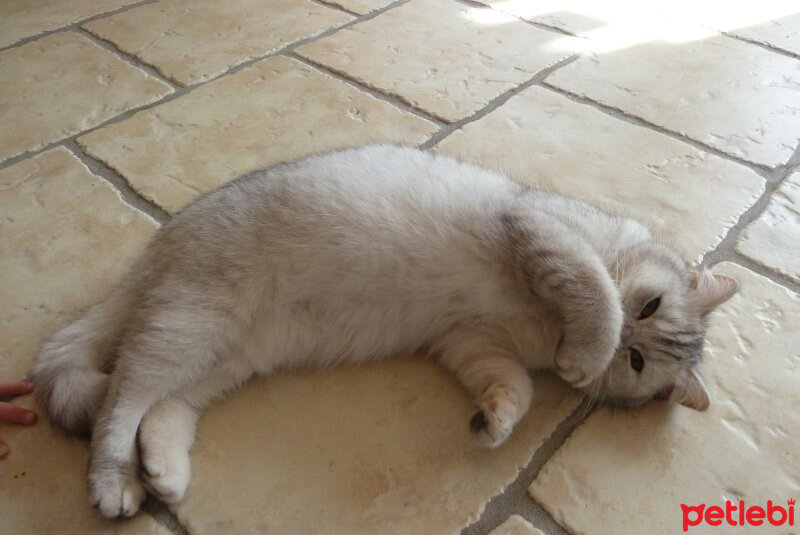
618	113
761	44
129	195
726	249
496	102
290	47
517	491
132	60
396	100
162	514
281	50
337	7
66	27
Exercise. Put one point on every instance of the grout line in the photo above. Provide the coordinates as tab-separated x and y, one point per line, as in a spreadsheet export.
515	496
495	103
290	47
153	70
109	46
337	7
8	162
26	40
480	5
129	195
617	113
162	514
726	249
735	257
774	177
395	100
761	44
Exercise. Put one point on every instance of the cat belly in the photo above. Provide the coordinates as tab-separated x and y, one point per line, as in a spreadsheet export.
311	335
535	340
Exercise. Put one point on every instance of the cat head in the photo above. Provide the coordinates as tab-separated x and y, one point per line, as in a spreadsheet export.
666	311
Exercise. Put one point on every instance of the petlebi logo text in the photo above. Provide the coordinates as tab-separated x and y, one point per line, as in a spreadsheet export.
738	514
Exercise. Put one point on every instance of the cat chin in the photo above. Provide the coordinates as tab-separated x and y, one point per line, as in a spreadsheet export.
625	403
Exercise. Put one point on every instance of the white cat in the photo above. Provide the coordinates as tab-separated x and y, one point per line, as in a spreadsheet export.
363	254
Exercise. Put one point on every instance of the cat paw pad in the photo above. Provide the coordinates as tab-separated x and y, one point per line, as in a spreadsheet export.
498	412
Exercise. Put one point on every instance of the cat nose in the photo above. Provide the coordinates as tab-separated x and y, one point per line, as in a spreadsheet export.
627	333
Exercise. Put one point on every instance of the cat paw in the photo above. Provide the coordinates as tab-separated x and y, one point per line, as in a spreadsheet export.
115	492
498	412
166	473
580	368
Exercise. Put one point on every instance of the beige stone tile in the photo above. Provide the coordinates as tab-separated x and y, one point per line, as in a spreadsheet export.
773	239
193	40
439	56
273	111
65	237
516	525
377	449
24	18
544	139
630	471
783	32
62	84
362	7
699	89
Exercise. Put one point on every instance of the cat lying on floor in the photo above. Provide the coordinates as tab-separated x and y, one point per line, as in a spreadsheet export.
363	254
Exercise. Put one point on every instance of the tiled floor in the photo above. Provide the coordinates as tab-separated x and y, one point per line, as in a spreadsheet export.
114	115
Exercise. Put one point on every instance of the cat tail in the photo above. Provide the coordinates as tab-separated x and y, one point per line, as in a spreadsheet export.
71	376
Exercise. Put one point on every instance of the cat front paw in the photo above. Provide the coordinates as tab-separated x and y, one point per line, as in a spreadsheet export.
498	412
580	368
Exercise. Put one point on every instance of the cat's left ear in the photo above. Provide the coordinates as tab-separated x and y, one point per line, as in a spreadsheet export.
691	392
712	290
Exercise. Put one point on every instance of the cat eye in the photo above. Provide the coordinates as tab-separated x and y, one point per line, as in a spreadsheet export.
650	308
637	360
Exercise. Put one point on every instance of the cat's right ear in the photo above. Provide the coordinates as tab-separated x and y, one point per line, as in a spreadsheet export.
712	290
691	392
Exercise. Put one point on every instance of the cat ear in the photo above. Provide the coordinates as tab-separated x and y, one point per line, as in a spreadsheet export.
691	392
712	290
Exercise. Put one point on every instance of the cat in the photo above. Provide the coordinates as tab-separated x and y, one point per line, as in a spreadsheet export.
363	254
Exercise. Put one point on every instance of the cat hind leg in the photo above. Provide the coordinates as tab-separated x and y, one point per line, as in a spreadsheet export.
167	431
499	384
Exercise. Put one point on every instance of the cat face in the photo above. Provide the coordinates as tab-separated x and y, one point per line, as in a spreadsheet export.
666	310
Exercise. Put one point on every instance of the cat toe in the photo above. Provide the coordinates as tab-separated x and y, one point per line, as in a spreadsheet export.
115	493
167	478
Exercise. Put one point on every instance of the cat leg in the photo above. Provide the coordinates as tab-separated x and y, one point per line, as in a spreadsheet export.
114	486
499	384
151	366
559	266
167	431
